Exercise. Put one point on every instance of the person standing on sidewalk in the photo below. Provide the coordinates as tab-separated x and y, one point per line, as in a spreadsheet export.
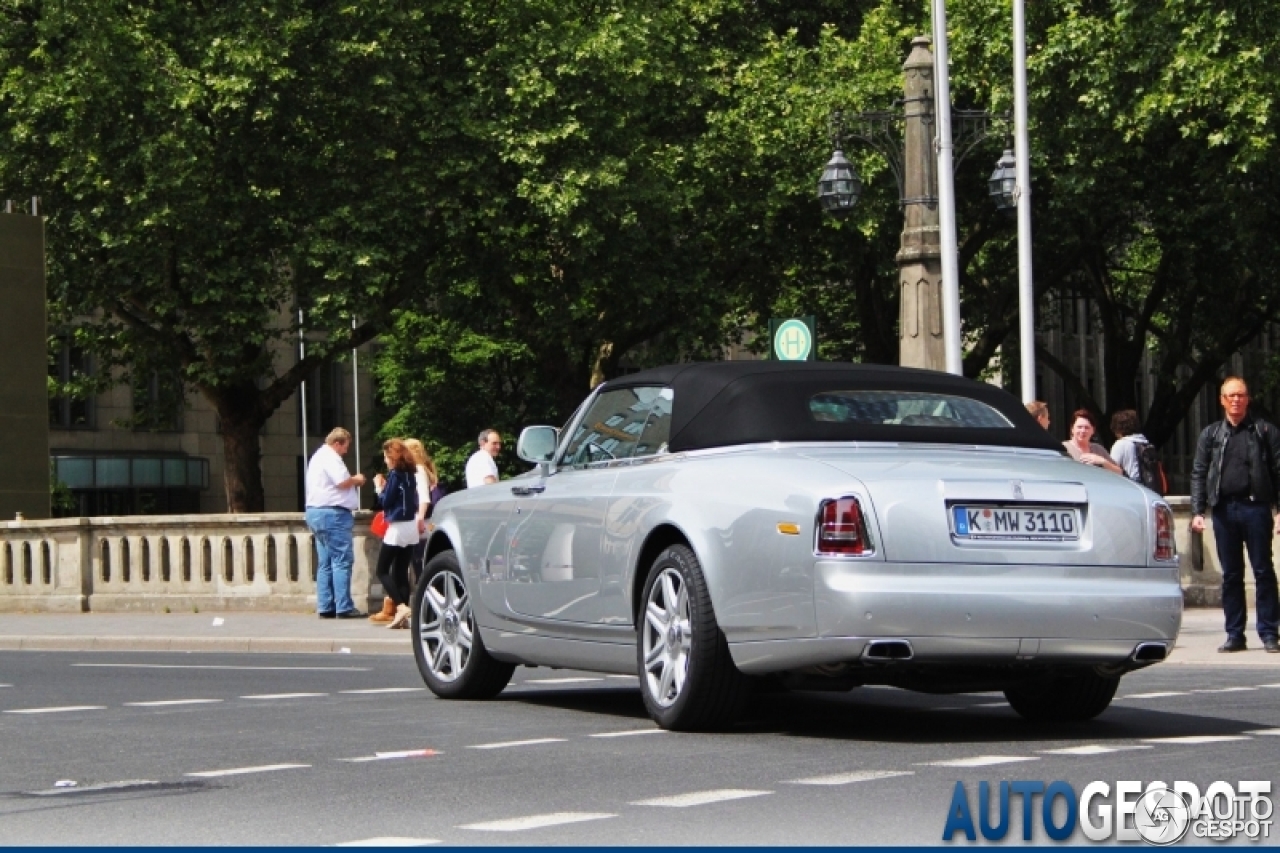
332	496
424	479
406	522
1236	472
481	467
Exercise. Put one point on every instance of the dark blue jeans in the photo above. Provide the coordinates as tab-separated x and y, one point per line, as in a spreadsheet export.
1238	526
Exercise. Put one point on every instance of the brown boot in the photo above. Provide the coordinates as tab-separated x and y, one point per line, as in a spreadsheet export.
388	611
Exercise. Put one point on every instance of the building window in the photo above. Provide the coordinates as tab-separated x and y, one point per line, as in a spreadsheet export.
143	484
158	401
325	391
70	402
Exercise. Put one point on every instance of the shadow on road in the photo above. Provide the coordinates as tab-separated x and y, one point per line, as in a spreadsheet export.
893	716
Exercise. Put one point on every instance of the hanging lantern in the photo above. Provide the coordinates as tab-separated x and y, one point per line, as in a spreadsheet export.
839	187
1003	184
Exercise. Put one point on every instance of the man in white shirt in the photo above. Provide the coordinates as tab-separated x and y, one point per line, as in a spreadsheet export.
332	495
481	469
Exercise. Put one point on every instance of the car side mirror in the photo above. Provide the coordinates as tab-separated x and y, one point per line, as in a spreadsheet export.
537	444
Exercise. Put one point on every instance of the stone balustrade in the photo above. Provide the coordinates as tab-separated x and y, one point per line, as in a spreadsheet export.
267	562
172	563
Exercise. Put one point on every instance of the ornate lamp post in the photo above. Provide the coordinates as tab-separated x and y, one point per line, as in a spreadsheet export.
906	140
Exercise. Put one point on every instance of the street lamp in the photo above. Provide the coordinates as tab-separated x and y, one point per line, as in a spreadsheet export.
908	137
839	187
1002	186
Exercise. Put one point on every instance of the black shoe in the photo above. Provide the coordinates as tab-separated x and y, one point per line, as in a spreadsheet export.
326	615
1272	645
352	614
1233	644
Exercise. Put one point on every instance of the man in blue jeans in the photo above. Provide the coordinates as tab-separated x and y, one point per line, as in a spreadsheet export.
332	496
1236	472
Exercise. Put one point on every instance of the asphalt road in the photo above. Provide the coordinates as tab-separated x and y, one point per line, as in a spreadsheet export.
284	749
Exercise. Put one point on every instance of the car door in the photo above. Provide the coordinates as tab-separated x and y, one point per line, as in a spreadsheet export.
553	563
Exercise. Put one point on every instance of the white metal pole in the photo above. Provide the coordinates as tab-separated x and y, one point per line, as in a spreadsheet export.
355	398
302	389
1022	158
946	194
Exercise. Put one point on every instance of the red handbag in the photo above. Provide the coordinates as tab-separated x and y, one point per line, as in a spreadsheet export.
378	526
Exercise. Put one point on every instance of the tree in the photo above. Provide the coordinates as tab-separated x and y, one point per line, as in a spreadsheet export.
1158	187
209	169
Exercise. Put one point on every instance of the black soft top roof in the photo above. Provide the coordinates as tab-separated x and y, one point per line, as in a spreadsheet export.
718	404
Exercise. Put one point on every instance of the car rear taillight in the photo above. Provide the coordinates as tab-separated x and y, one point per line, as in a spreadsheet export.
841	528
1165	547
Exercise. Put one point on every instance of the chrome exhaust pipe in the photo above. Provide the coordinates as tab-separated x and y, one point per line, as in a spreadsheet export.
1150	652
887	651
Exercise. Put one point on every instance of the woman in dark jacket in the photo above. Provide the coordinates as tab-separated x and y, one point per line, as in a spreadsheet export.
398	500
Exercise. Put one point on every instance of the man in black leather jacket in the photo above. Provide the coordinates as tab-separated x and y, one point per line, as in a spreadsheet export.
1236	472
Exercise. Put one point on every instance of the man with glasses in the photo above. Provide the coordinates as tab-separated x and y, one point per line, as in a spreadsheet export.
481	467
1236	473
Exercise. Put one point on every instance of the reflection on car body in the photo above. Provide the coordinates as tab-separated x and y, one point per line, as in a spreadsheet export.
707	526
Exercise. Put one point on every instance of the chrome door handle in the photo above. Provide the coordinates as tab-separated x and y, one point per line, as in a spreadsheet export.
526	491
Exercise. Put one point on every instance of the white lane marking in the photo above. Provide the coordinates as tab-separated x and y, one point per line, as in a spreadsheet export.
850	778
389	841
101	786
389	756
1160	695
60	710
636	677
6	685
164	703
630	732
1195	739
1265	732
1092	749
507	743
701	798
213	666
559	680
385	690
1269	685
1225	690
237	771
537	821
284	695
981	761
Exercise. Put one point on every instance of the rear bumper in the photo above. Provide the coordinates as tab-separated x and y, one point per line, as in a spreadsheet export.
963	614
758	658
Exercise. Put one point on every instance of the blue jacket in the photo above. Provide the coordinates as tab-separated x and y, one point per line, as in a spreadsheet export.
399	497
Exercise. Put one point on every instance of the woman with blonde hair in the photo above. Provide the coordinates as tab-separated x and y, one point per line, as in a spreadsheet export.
428	478
404	514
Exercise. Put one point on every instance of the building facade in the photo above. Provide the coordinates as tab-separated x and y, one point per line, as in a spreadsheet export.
114	454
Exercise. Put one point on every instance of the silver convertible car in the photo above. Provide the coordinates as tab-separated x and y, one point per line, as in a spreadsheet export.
716	528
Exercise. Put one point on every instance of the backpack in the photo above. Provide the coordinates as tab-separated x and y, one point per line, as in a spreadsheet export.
1151	470
437	494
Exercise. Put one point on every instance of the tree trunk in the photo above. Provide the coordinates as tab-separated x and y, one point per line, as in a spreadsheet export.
240	420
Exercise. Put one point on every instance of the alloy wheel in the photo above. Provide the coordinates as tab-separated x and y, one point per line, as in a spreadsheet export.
668	637
446	627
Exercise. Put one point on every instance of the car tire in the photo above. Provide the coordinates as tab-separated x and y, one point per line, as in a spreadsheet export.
1070	698
450	654
687	678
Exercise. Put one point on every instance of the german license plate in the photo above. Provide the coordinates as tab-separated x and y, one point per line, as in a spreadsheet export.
1037	523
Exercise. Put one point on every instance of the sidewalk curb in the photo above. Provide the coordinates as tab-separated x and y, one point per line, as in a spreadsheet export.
265	645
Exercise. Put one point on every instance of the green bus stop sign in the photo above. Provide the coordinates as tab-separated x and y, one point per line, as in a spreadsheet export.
794	339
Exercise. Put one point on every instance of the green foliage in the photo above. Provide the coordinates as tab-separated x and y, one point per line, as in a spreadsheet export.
208	168
61	501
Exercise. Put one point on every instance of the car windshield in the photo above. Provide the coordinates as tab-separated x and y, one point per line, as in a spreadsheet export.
904	408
